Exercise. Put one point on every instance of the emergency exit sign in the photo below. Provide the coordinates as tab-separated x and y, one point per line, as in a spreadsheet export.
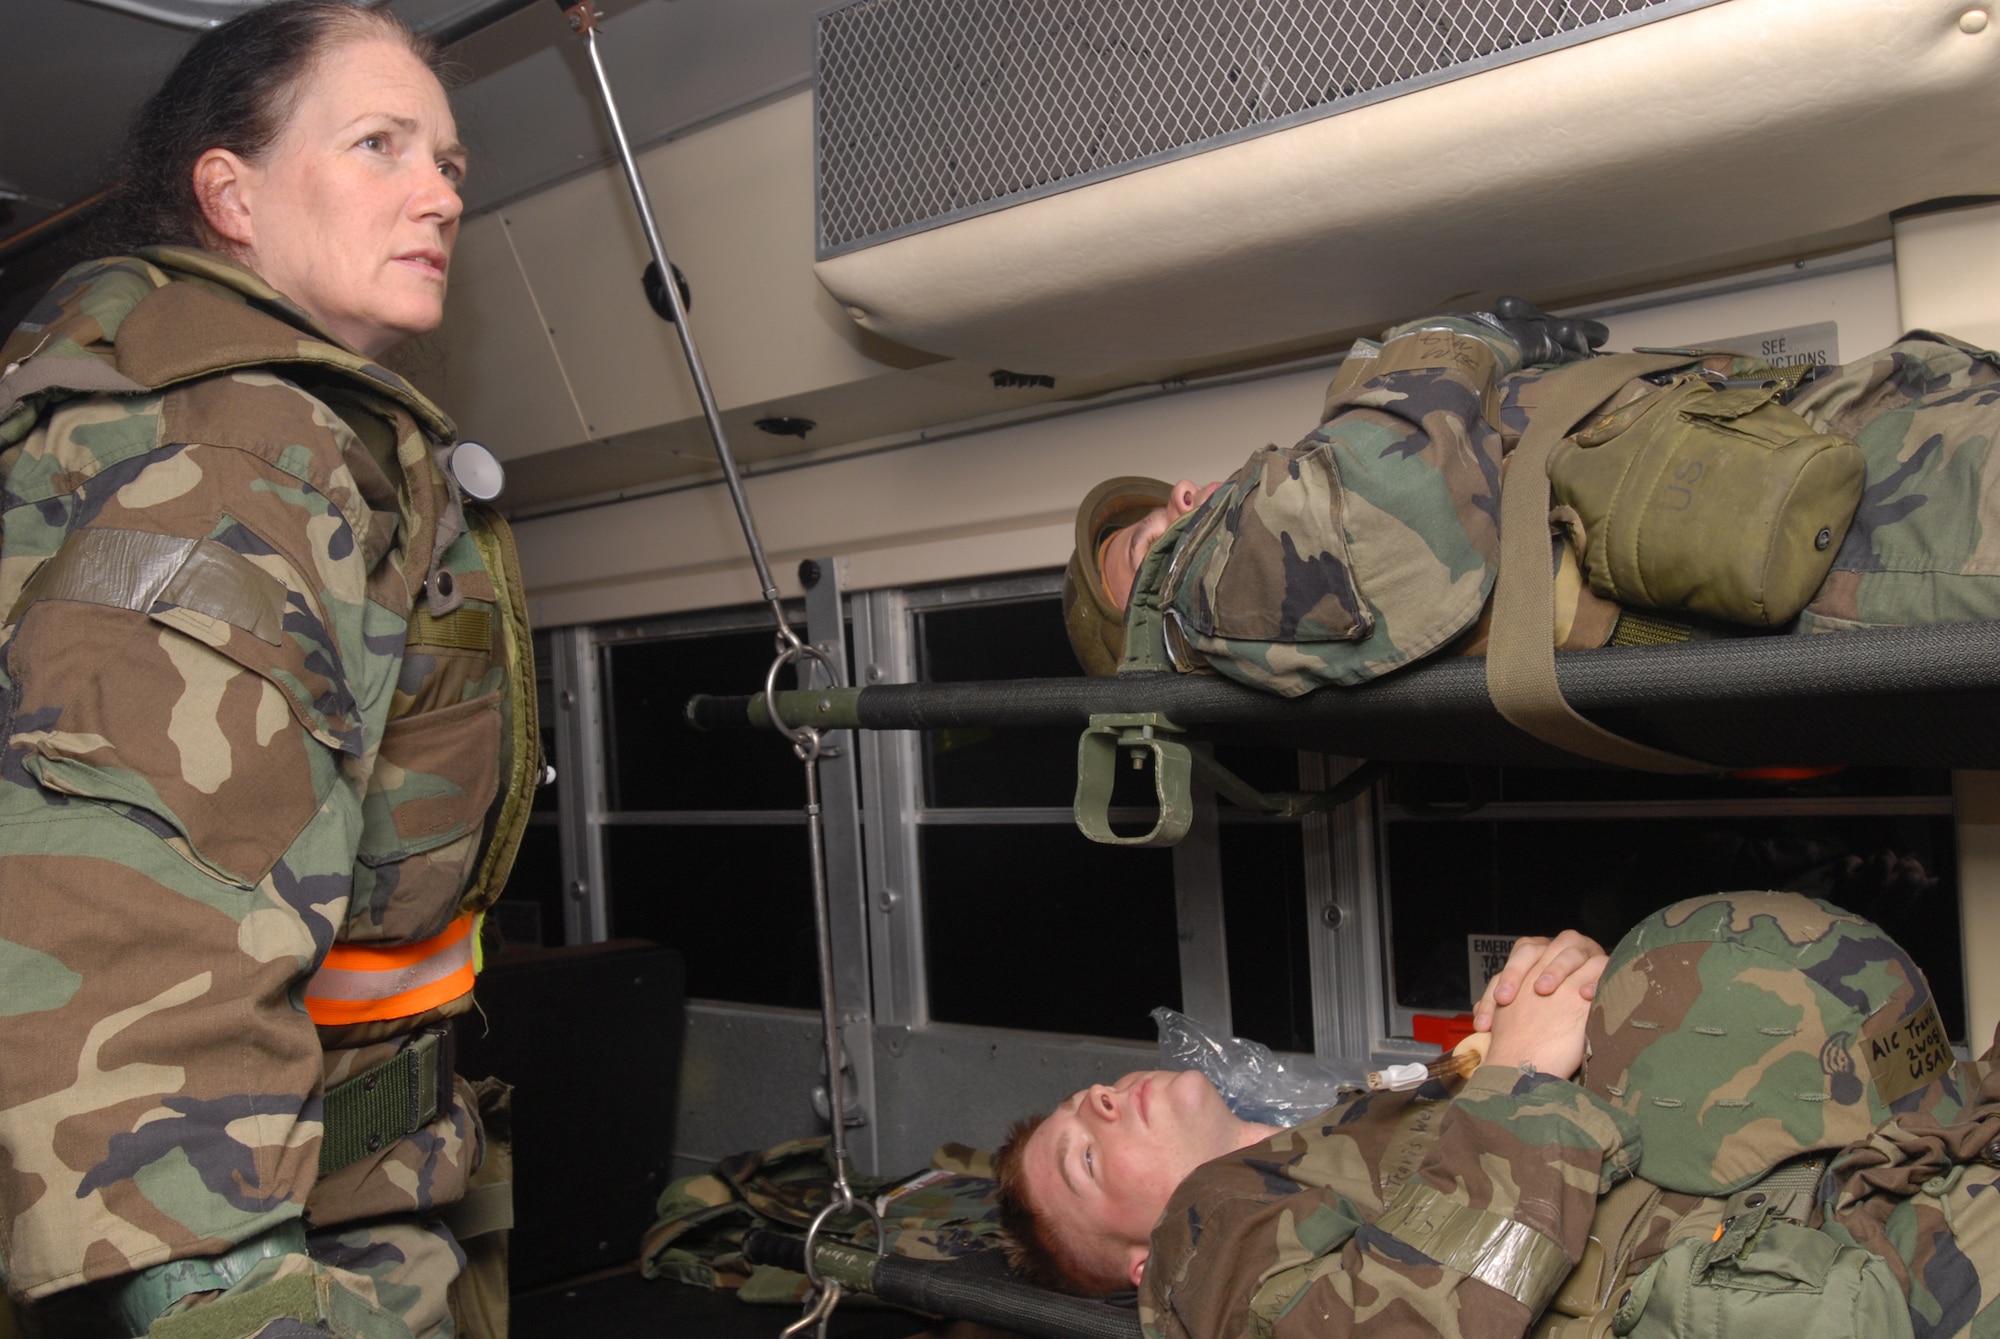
1485	956
1817	344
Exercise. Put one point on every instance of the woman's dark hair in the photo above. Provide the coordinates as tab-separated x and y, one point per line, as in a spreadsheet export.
235	89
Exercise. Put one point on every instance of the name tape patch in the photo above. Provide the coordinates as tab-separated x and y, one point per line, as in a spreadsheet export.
1906	1057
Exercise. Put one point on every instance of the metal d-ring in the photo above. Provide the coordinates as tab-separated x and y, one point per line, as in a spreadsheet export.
805	738
844	1200
826	1292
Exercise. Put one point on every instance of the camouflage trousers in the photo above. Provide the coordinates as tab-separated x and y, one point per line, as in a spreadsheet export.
405	1268
159	1089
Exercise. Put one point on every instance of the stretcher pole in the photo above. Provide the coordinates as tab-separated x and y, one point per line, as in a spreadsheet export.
583	19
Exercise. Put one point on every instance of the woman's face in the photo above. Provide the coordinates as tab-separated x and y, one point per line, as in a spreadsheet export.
353	212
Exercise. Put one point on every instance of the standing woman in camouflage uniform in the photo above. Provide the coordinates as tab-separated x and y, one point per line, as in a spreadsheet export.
265	716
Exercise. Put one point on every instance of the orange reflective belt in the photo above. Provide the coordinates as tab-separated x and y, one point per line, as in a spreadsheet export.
360	983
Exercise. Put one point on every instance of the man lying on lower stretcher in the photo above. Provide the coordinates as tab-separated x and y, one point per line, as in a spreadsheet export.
1730	1037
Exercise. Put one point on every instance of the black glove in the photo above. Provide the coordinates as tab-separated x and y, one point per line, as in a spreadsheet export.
1544	340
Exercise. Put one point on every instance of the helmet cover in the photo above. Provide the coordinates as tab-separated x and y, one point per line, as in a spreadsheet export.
1745	1029
1096	626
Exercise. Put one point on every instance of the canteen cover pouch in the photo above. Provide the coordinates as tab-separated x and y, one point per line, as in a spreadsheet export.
1720	503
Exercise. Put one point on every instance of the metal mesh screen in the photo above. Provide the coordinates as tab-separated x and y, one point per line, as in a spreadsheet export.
930	110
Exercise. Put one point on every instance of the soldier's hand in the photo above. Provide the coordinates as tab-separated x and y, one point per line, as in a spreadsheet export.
1546	1030
1546	963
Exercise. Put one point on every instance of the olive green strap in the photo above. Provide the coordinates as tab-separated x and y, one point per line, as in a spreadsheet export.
1521	656
522	754
463	629
139	1299
1607	1251
136	569
487	1208
377	1107
1787	1193
315	1297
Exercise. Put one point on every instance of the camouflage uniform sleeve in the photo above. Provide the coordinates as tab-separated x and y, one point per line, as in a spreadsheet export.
1946	1250
1473	1244
181	709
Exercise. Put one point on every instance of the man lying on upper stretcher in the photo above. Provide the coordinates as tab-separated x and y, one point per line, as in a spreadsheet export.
1769	499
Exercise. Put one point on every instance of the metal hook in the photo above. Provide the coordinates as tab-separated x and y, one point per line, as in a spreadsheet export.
819	1310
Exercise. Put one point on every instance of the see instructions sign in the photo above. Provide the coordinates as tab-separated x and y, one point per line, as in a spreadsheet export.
1813	345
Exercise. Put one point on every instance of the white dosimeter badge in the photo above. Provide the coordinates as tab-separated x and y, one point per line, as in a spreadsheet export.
478	471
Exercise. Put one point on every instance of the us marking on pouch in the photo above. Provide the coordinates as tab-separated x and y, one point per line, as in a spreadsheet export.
1905	1058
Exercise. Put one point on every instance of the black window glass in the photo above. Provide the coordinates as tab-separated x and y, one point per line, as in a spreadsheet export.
659	762
545	712
1460	788
1267	769
980	768
1264	915
1038	927
530	909
735	900
1450	879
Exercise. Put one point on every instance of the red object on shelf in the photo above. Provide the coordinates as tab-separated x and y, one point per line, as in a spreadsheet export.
1440	1029
1784	773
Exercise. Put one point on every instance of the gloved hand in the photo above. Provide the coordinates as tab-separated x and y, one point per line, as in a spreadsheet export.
1544	340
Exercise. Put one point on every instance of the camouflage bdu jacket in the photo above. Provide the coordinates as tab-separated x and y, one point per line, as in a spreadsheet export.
1307	1234
1375	540
1465	1207
264	686
1290	1237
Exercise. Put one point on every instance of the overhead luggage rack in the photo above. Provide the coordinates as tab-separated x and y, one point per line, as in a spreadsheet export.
1924	696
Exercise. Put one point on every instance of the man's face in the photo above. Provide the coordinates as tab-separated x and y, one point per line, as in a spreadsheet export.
1127	547
1102	1167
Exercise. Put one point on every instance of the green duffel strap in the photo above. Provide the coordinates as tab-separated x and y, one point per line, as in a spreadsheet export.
1521	656
378	1106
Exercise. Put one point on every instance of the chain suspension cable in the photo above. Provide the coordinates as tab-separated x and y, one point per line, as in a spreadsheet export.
791	650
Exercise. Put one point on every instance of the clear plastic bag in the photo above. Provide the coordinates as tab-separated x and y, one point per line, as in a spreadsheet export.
1257	1084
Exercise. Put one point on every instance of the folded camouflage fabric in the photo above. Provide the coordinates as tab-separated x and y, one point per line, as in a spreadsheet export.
940	1214
1922	548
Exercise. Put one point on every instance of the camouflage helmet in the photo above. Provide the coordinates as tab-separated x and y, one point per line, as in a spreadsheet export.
1097	626
1744	1029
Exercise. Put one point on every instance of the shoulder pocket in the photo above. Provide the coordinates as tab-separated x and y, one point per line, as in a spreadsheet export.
176	676
1270	561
